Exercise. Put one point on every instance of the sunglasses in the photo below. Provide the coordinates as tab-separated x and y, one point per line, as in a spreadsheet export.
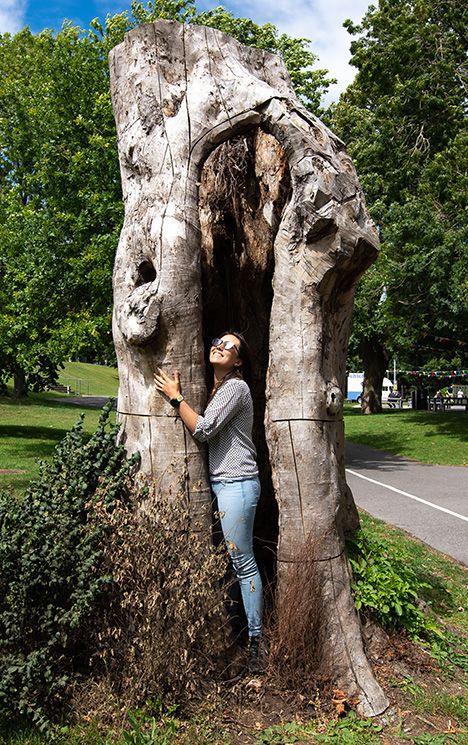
224	344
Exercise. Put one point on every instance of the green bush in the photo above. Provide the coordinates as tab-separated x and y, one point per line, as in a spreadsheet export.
50	584
385	585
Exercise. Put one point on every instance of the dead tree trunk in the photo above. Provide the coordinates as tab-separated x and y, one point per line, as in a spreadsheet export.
178	92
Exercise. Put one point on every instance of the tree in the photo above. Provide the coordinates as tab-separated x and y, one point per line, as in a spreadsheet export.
60	202
278	256
403	121
60	192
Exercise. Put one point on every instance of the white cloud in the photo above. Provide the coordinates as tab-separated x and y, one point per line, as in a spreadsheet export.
318	20
12	14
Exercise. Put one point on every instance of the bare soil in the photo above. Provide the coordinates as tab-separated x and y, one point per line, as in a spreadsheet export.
400	666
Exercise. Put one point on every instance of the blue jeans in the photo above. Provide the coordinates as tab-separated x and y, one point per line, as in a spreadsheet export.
237	502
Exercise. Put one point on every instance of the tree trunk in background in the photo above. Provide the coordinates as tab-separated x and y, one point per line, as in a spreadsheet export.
375	361
20	386
178	92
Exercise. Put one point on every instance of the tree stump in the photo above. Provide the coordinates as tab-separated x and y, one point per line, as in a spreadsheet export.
286	275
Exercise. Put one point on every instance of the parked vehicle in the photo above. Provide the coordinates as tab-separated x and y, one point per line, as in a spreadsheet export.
354	387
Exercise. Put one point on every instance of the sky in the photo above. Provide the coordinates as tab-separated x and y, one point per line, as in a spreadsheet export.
318	20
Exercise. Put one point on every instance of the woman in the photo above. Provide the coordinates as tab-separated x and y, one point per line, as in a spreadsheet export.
227	427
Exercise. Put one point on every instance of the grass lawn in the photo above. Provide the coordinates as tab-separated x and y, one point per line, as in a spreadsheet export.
90	380
30	430
430	437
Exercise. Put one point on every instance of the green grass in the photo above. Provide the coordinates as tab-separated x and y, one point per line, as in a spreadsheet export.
429	437
454	707
92	380
142	730
32	427
348	731
30	430
173	731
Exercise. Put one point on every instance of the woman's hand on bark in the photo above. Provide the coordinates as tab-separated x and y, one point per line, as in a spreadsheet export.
170	387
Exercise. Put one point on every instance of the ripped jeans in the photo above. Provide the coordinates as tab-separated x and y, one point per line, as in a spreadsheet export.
237	502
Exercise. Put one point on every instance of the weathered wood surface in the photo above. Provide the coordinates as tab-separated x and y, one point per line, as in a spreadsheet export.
178	92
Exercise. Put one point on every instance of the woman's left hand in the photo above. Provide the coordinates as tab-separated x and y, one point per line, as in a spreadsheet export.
169	386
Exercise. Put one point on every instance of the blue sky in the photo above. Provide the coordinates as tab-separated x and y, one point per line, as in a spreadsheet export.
318	20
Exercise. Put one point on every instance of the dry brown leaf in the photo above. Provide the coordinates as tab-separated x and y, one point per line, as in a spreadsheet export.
339	694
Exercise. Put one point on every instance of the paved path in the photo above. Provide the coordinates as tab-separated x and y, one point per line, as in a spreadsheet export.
94	401
430	502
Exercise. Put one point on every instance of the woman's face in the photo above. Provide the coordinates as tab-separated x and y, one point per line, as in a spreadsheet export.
225	360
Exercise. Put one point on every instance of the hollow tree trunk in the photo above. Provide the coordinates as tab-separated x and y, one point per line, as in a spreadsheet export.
178	92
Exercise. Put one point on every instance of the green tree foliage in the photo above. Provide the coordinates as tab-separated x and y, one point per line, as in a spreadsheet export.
60	195
60	201
403	122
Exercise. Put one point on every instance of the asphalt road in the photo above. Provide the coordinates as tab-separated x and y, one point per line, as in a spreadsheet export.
96	402
430	502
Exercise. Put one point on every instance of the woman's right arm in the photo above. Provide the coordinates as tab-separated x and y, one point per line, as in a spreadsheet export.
171	388
188	416
221	409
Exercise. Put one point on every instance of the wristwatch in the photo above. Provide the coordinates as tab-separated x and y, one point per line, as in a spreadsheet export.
175	402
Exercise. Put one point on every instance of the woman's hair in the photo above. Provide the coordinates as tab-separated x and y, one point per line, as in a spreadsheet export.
243	351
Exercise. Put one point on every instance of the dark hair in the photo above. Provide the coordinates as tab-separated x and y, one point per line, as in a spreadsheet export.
243	350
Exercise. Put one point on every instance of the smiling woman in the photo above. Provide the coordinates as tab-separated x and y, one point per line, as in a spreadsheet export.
226	425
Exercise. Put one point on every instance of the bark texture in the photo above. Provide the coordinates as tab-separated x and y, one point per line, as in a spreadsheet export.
375	360
183	269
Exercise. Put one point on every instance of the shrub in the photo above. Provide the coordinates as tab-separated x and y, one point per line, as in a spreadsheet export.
50	583
165	633
385	585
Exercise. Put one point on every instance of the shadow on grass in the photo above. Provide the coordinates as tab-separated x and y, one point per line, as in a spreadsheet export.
437	595
35	444
38	441
448	423
17	485
444	422
41	399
